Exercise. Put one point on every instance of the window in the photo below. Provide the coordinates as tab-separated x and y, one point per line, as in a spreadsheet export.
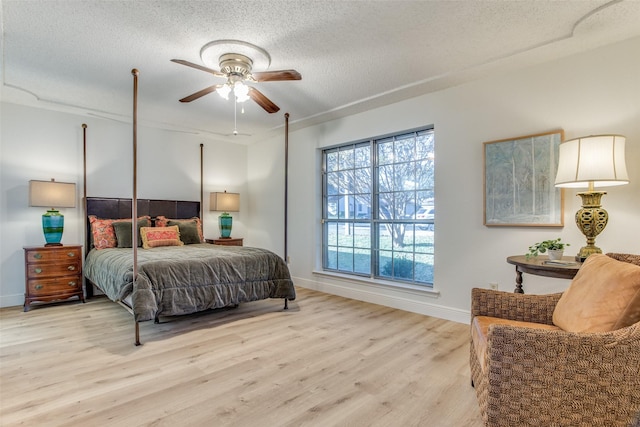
378	208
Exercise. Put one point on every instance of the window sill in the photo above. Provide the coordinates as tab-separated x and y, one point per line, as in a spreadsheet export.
381	284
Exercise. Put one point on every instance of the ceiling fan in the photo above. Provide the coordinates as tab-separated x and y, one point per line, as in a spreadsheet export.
236	69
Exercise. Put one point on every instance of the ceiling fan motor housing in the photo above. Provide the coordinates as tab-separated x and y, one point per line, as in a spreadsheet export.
235	64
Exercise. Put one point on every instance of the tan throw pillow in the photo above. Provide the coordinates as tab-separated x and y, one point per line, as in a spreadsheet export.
604	296
163	221
153	237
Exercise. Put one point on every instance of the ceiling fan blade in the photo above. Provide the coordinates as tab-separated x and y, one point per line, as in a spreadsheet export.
198	67
263	101
274	76
200	93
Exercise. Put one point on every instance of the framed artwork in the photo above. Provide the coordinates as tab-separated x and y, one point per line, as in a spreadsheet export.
519	175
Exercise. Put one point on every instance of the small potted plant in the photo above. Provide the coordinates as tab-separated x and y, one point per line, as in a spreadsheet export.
555	248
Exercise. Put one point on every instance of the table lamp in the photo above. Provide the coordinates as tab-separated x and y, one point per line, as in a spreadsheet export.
589	162
225	202
52	194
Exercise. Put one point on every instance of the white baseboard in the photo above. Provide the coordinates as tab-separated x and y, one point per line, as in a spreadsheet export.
16	300
345	289
376	296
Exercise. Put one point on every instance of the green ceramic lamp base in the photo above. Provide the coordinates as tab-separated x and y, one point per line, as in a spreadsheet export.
225	222
53	226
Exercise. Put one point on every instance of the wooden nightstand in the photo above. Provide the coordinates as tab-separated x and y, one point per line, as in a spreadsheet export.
52	273
226	242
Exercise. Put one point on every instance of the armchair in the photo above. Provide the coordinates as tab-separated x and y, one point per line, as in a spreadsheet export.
529	371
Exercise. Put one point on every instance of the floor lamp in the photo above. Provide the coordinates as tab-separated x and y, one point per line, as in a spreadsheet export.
589	162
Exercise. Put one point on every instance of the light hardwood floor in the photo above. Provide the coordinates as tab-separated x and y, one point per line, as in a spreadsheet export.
327	361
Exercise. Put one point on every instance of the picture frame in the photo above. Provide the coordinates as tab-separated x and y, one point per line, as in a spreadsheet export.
519	176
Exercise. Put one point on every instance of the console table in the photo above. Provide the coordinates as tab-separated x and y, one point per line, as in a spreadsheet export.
537	266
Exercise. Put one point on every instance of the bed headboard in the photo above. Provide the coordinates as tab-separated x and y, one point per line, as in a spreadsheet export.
115	208
103	207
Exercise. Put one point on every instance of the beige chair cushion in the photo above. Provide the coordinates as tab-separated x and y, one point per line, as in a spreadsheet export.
604	296
480	331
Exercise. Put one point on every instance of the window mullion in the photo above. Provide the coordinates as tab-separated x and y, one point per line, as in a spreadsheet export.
374	230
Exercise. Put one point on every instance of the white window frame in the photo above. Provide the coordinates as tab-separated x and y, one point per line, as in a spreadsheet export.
356	236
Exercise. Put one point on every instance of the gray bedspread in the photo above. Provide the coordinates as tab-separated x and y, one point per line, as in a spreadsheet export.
176	280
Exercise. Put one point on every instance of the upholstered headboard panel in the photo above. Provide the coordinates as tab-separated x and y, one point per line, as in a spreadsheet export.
103	207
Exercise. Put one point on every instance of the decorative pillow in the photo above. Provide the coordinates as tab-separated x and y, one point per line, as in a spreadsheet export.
102	232
163	221
152	237
188	231
124	233
604	296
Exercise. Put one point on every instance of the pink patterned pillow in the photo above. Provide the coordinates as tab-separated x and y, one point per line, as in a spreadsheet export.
163	221
152	237
104	236
103	233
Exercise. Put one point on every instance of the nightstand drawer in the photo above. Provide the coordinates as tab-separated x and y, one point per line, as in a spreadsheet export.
49	270
59	285
48	255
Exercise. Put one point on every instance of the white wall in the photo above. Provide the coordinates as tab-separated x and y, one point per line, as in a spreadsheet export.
591	93
42	144
266	179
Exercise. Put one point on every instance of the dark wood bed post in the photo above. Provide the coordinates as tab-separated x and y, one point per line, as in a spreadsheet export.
201	180
87	286
286	184
134	198
286	193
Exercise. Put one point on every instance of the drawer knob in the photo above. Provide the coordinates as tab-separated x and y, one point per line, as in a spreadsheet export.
38	287
71	254
38	270
72	284
71	268
37	255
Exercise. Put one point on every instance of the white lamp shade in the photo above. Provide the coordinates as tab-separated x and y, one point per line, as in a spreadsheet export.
52	194
597	160
224	202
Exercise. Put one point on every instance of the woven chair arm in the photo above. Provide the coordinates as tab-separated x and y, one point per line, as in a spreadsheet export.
540	369
630	258
512	306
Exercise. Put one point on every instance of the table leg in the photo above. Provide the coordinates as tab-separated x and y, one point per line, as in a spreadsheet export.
518	289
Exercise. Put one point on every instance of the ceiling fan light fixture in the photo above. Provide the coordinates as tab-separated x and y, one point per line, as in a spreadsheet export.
241	91
224	91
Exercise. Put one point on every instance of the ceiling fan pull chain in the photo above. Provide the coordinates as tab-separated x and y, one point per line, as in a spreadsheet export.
235	119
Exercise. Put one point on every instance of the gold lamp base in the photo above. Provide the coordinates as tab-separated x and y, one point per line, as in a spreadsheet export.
591	219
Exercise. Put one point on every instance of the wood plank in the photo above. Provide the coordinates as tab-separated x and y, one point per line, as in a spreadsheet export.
325	361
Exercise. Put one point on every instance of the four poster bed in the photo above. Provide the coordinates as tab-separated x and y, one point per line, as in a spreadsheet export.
159	265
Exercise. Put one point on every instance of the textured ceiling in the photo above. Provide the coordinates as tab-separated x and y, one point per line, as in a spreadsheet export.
353	55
